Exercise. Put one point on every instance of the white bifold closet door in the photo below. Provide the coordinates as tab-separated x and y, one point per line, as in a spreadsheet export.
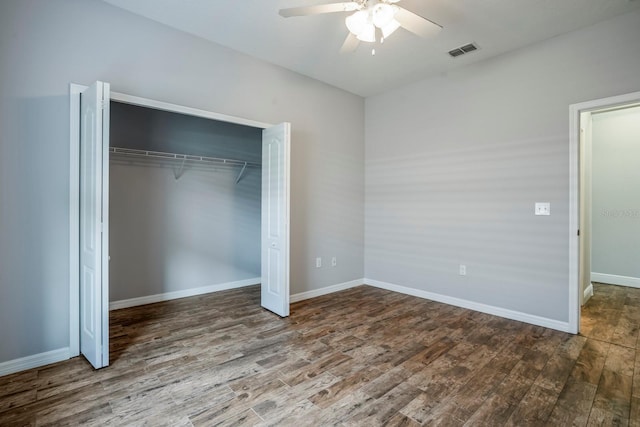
276	143
94	221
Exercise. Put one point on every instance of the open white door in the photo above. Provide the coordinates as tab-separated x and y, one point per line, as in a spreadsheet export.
585	184
94	210
276	142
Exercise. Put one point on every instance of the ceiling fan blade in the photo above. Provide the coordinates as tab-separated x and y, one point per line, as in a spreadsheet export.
350	43
416	23
348	6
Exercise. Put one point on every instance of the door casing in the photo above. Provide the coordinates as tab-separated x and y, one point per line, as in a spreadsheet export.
576	216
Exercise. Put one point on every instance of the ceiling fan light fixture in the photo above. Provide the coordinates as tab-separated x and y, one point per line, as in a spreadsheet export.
364	23
368	34
371	20
382	14
357	22
389	29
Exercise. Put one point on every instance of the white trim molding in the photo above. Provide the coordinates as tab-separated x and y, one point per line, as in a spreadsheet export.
472	305
458	302
189	111
613	279
150	299
326	290
34	361
74	218
588	293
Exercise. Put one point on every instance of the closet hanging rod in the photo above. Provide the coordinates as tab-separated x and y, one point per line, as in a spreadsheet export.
183	157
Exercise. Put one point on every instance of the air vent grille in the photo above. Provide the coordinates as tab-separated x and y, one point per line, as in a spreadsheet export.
463	49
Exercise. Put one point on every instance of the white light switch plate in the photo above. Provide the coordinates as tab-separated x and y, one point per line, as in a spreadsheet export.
543	208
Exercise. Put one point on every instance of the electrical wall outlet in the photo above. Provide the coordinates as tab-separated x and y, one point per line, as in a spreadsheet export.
334	262
318	262
463	270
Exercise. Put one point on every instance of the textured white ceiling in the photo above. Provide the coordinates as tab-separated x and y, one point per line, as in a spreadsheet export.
310	45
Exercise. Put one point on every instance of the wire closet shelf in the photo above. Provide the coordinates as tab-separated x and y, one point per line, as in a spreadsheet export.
184	159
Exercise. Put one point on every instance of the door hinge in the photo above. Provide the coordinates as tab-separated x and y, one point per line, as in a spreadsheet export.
578	232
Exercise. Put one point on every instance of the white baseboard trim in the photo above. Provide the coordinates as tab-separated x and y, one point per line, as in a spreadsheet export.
326	290
612	279
150	299
471	305
588	293
34	361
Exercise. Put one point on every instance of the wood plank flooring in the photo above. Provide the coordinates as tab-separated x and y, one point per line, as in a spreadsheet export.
361	357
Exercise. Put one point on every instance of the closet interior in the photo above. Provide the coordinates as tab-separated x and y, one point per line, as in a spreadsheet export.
184	203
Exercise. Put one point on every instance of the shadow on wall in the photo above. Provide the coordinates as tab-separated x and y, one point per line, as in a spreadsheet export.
148	129
34	203
246	214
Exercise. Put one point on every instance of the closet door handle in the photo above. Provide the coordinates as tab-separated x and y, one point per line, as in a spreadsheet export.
273	245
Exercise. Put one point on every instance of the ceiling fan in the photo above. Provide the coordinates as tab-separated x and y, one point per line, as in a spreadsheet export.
372	20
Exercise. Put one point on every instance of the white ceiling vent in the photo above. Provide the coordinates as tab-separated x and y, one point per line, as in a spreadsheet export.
463	49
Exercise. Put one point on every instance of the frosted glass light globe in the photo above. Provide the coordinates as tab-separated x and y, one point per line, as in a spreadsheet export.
357	22
368	34
383	14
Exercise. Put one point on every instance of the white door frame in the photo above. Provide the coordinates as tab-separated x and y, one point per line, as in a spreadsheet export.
575	111
74	184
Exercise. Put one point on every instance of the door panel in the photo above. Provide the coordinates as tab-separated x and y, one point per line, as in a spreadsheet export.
94	158
585	204
275	219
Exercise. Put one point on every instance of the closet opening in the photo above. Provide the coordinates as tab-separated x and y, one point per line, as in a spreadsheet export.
184	205
169	201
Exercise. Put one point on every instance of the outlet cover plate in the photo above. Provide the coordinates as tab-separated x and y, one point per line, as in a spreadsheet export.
543	208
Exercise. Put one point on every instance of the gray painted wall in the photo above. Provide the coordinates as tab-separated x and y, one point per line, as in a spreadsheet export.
455	163
616	193
169	234
47	44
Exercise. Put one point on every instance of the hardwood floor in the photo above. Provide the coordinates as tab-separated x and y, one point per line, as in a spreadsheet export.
364	356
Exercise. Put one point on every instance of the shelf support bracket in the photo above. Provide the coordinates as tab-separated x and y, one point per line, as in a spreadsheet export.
177	174
241	172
